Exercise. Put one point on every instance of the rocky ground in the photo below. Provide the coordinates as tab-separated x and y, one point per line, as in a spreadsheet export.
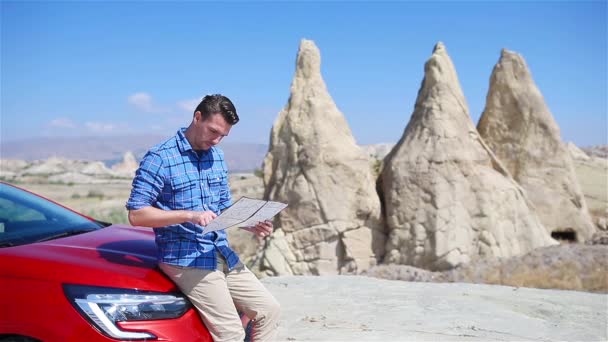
355	308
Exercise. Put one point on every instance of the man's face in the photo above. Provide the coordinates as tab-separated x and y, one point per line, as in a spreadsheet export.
209	132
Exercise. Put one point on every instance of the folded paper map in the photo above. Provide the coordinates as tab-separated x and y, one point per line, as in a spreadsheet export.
245	212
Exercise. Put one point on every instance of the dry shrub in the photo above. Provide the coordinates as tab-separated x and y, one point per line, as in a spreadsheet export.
566	267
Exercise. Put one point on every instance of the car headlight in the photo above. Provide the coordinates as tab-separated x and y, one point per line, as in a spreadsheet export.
105	306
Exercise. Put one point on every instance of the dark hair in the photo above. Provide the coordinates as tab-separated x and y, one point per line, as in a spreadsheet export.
218	104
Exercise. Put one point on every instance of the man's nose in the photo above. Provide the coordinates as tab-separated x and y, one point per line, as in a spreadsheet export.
216	140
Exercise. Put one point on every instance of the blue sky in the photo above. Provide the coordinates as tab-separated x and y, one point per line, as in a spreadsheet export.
116	68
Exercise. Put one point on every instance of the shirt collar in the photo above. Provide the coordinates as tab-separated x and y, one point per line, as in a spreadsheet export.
182	142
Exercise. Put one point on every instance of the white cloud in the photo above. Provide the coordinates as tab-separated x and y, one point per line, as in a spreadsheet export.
188	105
62	123
143	102
65	126
100	127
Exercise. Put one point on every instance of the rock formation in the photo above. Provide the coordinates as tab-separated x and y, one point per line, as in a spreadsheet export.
592	174
519	128
333	222
96	169
127	166
447	199
49	166
59	170
9	168
378	151
600	151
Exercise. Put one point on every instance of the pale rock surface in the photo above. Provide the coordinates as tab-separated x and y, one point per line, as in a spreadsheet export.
59	170
96	169
576	153
378	151
599	238
7	175
600	151
356	308
49	166
592	175
448	200
9	168
333	222
127	166
519	128
13	165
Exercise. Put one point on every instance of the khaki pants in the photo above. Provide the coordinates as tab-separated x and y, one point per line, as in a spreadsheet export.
219	294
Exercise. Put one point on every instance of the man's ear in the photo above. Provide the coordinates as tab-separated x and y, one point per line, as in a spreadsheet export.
198	116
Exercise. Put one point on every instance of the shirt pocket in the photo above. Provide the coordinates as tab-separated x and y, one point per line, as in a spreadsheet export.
185	192
218	185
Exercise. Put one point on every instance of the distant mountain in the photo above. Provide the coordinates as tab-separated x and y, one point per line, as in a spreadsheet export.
596	151
243	157
110	150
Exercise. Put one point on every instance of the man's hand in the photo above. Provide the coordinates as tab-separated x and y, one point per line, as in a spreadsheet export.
202	218
261	229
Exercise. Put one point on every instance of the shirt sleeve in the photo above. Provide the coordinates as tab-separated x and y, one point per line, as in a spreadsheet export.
148	182
225	194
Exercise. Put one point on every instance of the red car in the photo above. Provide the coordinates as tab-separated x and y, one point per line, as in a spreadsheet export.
66	277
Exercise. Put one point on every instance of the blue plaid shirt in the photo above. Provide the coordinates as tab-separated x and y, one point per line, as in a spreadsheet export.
173	176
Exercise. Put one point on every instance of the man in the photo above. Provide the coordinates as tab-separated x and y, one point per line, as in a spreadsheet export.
182	185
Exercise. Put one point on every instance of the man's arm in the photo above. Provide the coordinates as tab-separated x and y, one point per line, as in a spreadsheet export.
147	185
154	217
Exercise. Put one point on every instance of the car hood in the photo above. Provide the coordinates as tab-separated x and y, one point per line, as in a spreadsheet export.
116	256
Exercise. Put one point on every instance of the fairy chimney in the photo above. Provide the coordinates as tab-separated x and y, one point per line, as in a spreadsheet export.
333	222
518	126
448	201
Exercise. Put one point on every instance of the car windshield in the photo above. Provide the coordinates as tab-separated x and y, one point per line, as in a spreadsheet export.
26	218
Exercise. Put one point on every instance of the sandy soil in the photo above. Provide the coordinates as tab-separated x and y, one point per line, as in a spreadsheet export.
357	308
